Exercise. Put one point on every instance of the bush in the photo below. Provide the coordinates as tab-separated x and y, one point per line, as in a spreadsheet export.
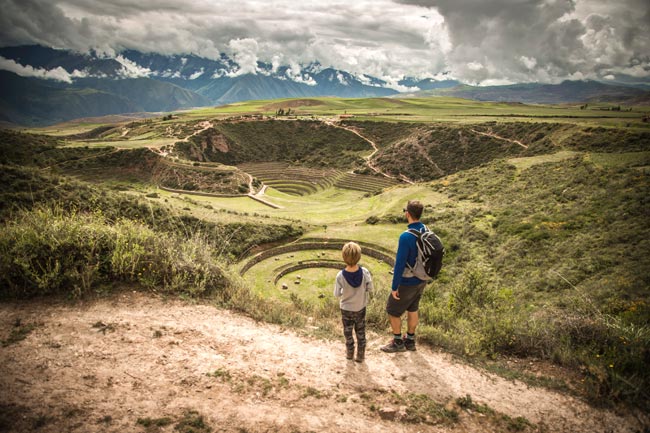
48	251
372	220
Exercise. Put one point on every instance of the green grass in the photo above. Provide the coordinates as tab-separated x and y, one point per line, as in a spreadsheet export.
49	251
547	247
312	282
637	160
523	163
431	109
342	206
123	144
426	109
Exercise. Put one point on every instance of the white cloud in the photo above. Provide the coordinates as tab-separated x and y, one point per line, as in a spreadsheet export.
197	74
56	74
496	82
219	73
276	62
392	83
244	52
529	62
131	69
518	41
295	73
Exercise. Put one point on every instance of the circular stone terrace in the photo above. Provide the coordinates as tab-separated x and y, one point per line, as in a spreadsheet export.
275	268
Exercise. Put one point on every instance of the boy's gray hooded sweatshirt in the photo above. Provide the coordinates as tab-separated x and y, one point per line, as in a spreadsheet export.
353	297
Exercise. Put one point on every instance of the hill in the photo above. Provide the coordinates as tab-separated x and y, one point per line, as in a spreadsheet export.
137	81
63	85
538	93
29	101
520	203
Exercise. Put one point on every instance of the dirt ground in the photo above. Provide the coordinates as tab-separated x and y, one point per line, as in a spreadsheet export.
134	362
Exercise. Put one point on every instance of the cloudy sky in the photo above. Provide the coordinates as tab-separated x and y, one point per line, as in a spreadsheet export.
475	41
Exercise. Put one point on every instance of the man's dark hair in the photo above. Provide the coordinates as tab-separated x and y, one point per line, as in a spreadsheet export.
415	208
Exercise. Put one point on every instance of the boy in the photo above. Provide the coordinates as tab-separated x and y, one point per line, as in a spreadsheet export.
353	285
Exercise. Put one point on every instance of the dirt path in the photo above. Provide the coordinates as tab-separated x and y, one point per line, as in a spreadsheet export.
204	125
498	137
100	366
369	157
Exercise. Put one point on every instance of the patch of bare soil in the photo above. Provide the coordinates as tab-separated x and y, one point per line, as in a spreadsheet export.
138	363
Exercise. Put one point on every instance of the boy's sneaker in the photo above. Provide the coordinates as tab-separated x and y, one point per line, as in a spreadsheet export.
361	354
394	346
409	343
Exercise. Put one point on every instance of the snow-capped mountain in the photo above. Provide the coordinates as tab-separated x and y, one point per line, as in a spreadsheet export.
164	83
40	85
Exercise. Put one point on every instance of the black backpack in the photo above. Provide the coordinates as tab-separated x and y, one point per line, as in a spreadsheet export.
430	253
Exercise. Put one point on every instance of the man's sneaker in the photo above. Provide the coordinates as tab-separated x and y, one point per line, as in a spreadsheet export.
409	343
394	346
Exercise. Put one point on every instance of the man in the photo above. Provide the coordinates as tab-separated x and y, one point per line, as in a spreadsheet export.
406	289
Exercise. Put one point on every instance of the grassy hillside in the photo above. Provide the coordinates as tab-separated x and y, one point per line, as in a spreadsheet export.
306	142
437	109
29	101
119	166
142	165
405	110
545	223
568	91
27	185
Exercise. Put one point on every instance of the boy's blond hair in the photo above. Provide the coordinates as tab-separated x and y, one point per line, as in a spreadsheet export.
351	253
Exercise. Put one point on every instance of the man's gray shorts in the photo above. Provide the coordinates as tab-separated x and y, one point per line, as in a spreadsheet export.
409	300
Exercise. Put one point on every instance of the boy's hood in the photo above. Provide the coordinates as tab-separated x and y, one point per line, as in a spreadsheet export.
354	278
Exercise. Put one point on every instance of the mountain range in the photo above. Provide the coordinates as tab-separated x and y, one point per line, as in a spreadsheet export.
41	85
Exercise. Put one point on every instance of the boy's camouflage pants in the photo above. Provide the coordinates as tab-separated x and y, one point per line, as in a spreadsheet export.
354	320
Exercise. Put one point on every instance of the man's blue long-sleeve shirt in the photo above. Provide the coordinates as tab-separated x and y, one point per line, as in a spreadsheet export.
407	252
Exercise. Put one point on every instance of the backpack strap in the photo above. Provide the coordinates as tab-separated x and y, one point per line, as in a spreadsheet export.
417	233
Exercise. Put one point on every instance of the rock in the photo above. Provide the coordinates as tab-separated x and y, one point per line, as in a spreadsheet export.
285	286
392	414
296	282
388	413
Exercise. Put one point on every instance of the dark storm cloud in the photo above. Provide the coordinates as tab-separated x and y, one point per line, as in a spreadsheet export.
32	21
479	41
545	40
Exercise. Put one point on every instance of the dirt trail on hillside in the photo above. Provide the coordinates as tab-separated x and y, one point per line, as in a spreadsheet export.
498	137
368	158
203	126
102	365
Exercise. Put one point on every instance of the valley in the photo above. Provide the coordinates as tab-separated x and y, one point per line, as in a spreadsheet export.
543	211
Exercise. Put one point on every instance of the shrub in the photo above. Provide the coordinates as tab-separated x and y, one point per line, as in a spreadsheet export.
48	251
372	220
